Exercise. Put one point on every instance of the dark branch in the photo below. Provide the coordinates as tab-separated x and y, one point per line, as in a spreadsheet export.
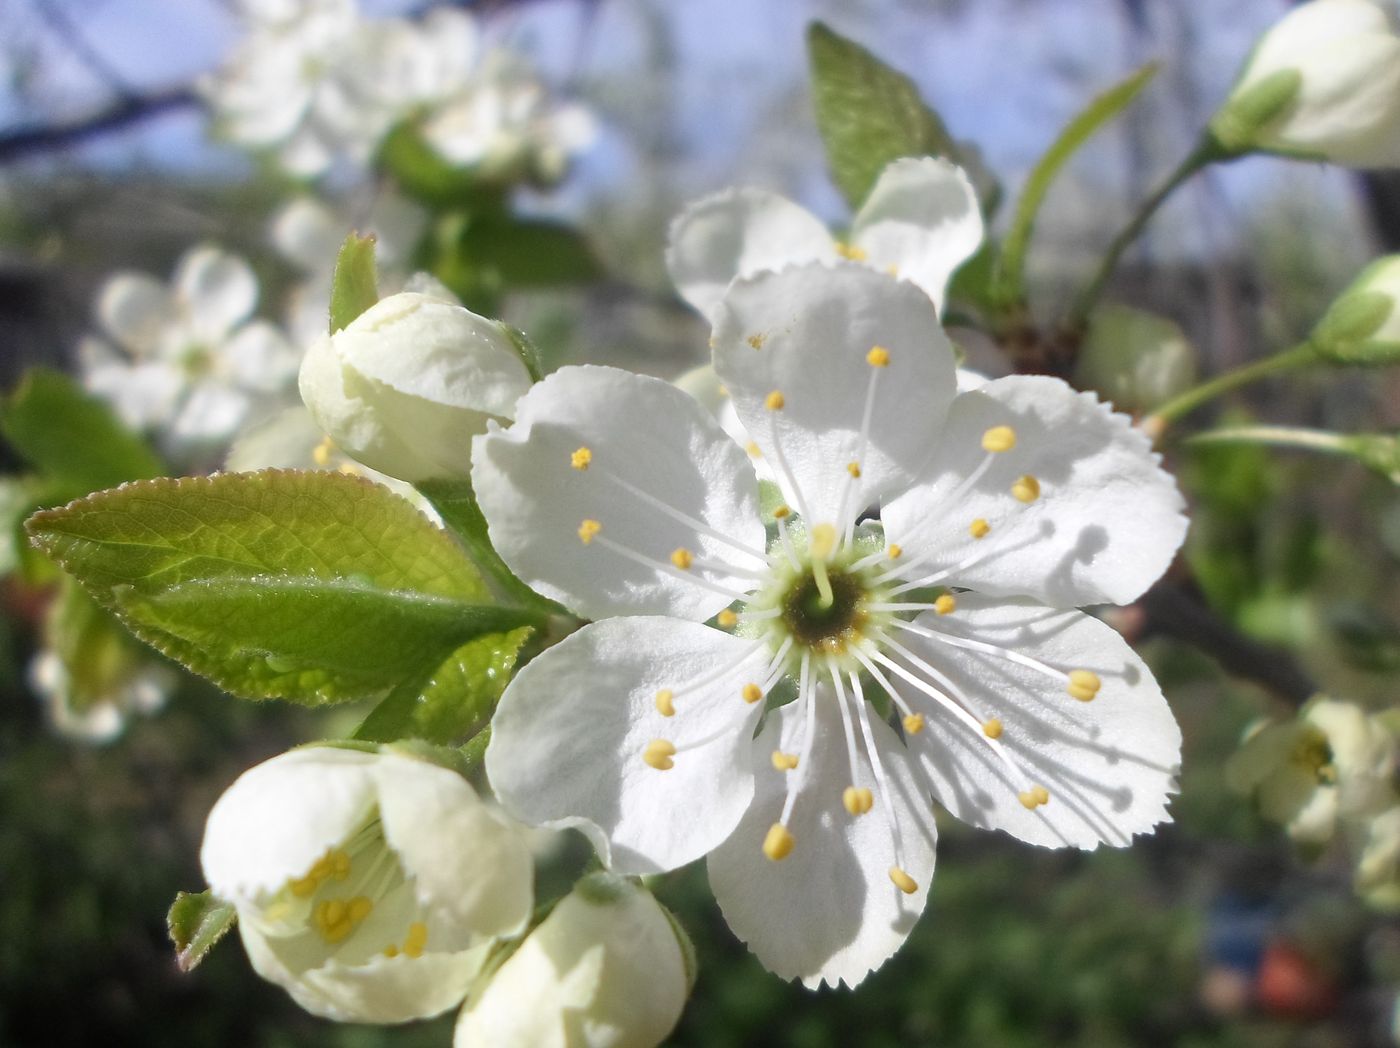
34	138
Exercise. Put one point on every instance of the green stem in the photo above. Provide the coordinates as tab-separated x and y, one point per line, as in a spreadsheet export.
1174	409
1205	154
1280	437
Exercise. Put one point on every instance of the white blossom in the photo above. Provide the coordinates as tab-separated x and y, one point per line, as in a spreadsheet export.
369	885
1136	359
126	685
719	704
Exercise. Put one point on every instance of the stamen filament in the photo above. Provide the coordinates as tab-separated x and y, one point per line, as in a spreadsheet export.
806	697
848	730
664	565
680	516
788	547
877	762
783	470
848	522
823	539
989	649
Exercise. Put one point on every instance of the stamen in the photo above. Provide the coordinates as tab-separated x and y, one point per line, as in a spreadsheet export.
992	728
858	799
853	796
682	558
914	723
726	619
853	468
778	844
784	761
658	754
878	764
588	530
1026	489
678	516
979	528
789	550
726	670
581	458
321	453
999	439
1084	685
845	515
751	693
416	940
903	881
821	546
946	604
753	449
851	252
807	700
665	702
878	357
591	531
756	340
775	401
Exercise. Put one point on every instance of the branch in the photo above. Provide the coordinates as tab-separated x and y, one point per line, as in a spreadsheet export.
35	138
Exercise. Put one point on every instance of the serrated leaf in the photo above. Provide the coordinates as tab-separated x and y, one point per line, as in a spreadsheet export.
868	114
310	586
355	287
73	440
197	921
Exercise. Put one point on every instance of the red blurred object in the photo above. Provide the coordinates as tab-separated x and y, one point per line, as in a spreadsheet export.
1292	986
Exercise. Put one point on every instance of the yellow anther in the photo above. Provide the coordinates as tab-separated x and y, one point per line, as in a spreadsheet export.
756	340
587	530
1042	795
349	469
321	453
945	604
1084	685
753	449
999	438
333	911
892	270
782	513
722	390
304	887
1028	800
752	693
659	753
665	703
416	940
978	528
682	558
903	881
853	468
726	619
823	541
878	357
1026	489
850	251
992	728
359	908
777	845
784	761
581	458
391	950
774	401
339	863
858	799
914	723
894	550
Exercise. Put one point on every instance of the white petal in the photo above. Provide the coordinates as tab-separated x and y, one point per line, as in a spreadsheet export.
1106	524
211	414
260	357
568	737
736	233
134	309
643	435
806	333
827	913
280	816
218	288
1108	764
921	221
143	395
308	234
472	870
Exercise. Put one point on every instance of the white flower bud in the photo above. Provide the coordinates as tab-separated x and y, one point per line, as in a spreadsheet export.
1363	325
1323	83
606	969
1377	876
370	885
1136	359
410	381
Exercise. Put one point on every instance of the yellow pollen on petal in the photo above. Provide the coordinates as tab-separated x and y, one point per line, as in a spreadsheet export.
587	530
1042	795
784	761
858	799
998	439
756	340
778	842
914	723
992	728
658	754
581	458
979	528
774	401
752	693
665	704
878	357
781	513
682	558
946	604
903	881
753	449
321	453
851	252
416	940
853	468
894	550
726	619
1026	489
1084	685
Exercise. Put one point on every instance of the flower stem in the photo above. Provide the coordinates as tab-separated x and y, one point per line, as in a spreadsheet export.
1174	409
1281	437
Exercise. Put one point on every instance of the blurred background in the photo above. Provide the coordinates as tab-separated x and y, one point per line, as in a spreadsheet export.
1215	931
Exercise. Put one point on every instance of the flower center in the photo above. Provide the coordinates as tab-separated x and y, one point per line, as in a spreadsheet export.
821	624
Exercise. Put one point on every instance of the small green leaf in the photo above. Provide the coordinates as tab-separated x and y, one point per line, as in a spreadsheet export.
315	587
868	114
425	176
354	287
72	439
197	921
1343	336
1245	114
481	256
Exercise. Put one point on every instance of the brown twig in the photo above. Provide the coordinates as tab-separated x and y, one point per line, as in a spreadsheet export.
37	138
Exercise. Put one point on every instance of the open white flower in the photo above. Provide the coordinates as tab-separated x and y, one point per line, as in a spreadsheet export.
606	969
367	884
185	361
621	497
920	222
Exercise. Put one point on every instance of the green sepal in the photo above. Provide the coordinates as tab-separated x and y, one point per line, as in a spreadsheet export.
1343	336
355	286
1236	127
421	173
483	255
196	922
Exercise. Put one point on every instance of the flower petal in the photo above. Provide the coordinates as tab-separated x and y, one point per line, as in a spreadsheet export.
920	222
1107	520
660	476
280	816
218	288
739	232
1108	764
134	309
807	333
260	357
827	913
568	737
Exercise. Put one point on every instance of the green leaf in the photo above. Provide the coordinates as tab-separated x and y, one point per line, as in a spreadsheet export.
480	256
354	288
1093	117
72	439
100	658
868	114
315	587
425	176
197	921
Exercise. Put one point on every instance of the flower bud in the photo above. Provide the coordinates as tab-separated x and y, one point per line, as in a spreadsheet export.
1363	325
370	885
1322	83
407	384
608	968
1136	359
1377	877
